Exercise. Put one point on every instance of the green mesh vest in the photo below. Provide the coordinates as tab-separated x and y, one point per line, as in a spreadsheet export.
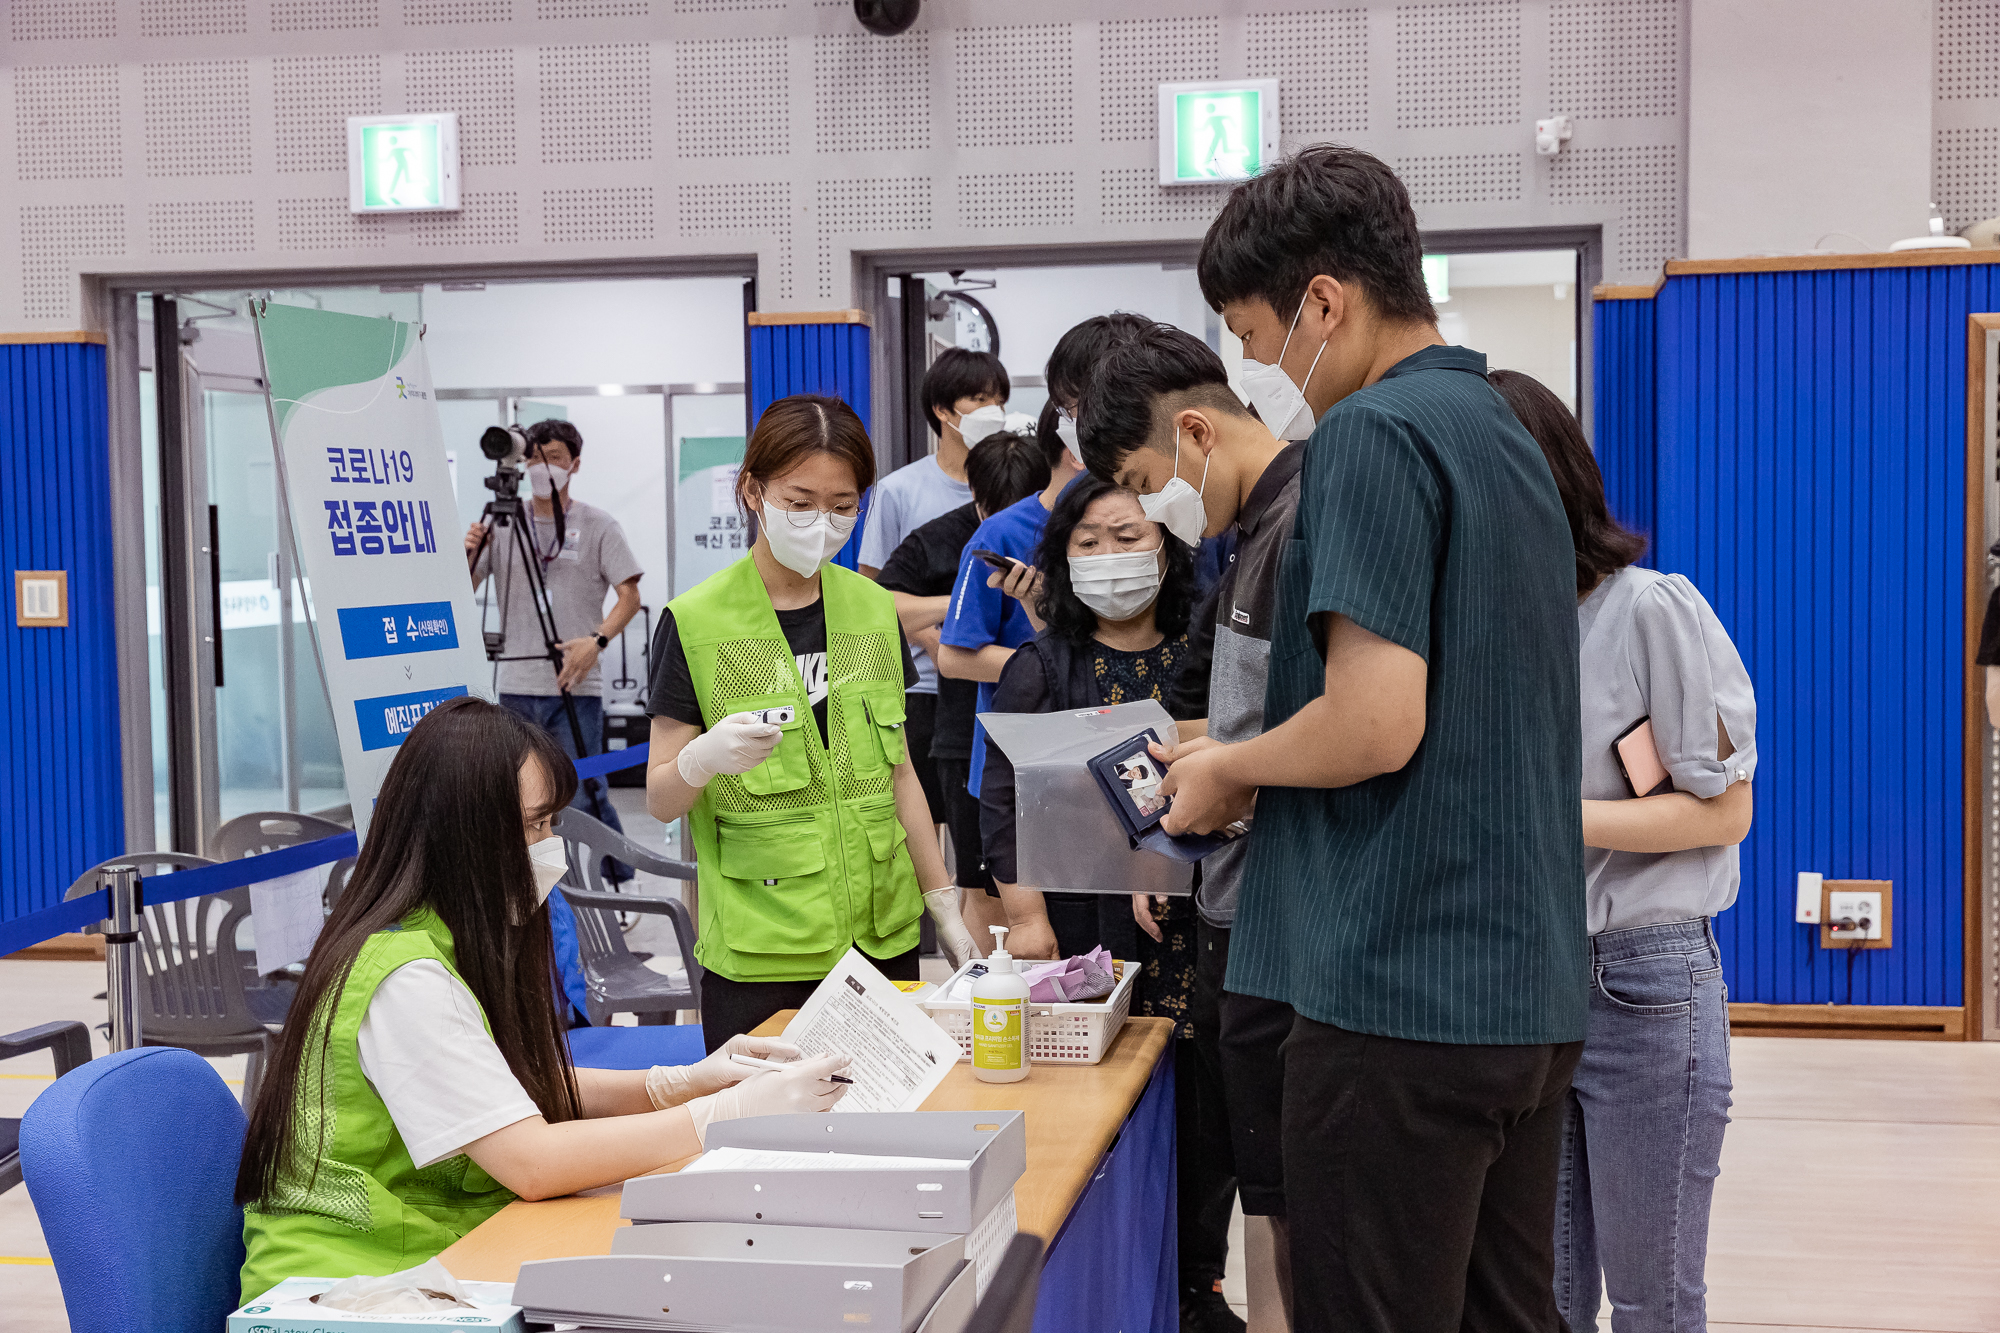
371	1209
803	855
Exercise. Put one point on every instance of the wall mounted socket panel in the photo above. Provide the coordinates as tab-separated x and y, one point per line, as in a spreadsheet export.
1807	911
1858	906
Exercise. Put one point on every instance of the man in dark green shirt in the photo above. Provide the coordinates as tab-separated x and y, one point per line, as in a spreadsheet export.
1415	886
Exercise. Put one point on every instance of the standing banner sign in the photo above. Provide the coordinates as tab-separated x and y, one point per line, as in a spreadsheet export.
361	456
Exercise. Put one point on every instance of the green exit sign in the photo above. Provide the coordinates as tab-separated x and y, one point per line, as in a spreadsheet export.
402	164
1217	131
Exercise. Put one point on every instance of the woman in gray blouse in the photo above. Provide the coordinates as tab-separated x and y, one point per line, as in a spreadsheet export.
1643	1131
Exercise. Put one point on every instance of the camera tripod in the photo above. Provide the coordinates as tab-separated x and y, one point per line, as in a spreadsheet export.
506	512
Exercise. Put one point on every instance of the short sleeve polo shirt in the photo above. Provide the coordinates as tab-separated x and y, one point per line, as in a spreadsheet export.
1445	901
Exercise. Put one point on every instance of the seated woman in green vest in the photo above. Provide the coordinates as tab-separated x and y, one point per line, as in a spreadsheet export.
431	1084
777	704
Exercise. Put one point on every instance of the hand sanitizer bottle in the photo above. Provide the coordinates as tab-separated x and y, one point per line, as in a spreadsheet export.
1000	1018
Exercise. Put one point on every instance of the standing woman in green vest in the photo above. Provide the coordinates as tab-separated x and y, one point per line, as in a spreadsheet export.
423	1082
777	704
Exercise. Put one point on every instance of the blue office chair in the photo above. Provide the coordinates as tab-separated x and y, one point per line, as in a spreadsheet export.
131	1161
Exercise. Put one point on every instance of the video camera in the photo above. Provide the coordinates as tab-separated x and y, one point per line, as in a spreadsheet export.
507	446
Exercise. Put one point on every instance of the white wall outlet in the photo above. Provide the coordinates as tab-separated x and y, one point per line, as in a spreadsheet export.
1807	911
1863	908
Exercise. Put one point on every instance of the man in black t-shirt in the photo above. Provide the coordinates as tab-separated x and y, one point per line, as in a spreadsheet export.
1004	469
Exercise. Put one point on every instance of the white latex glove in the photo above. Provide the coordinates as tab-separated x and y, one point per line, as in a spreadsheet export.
953	937
671	1085
736	744
773	1092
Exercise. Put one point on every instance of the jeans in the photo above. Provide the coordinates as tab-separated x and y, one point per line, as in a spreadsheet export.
1642	1132
592	797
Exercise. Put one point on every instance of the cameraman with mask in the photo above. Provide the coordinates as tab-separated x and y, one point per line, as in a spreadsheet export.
589	559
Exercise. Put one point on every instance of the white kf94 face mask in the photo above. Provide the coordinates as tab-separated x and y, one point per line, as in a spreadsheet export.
804	547
1178	505
1280	403
545	480
976	425
1117	586
549	860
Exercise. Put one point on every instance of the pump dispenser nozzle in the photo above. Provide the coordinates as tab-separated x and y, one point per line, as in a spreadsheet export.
999	954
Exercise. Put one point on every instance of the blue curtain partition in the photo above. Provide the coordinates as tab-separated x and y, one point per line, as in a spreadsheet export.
61	797
827	358
1794	443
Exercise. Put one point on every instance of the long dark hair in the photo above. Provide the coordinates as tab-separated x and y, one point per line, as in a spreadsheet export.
1058	605
446	835
1603	544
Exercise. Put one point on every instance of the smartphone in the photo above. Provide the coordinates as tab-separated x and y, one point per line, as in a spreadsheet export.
997	560
776	717
1639	760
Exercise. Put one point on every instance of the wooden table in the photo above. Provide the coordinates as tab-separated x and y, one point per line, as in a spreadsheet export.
1074	1112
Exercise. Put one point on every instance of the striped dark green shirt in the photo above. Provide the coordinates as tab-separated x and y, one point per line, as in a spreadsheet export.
1443	902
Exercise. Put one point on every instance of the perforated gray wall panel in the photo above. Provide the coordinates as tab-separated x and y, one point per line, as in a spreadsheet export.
160	135
1965	118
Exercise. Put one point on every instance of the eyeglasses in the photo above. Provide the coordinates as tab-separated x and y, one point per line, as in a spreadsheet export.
806	517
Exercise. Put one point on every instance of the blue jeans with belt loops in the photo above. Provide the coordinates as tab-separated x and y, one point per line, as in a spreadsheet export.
1642	1132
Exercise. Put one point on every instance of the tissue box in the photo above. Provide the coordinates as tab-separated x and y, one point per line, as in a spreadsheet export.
287	1308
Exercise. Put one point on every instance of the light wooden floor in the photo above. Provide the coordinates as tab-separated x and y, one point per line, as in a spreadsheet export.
1860	1181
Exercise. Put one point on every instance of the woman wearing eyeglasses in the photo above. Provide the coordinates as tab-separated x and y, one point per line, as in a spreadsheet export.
777	704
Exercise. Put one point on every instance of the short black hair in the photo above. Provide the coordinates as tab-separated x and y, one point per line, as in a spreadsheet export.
1048	433
1327	209
1004	468
552	428
1160	367
958	374
1057	602
1603	544
1078	351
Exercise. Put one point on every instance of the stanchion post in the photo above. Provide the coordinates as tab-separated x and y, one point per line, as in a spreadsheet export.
121	956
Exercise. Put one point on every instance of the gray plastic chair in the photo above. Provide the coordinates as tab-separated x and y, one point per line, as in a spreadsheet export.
70	1042
619	983
190	973
268	830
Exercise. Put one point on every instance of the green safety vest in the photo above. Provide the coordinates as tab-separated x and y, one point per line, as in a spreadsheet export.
371	1209
804	854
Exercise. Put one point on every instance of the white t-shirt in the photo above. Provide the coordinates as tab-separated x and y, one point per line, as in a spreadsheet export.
424	1046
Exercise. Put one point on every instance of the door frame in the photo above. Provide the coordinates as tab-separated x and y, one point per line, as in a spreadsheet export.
115	295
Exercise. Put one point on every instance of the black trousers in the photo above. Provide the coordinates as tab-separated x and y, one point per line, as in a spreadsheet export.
1420	1182
921	712
1207	1183
729	1007
1083	921
961	815
1252	1052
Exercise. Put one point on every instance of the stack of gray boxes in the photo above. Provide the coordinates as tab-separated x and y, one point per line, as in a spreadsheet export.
784	1245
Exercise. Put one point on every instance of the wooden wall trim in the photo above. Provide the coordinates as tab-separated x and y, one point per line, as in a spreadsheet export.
763	318
1971	771
1796	264
59	336
1881	1022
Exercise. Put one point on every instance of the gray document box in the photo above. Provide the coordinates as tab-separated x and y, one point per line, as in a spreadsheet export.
721	1276
880	1199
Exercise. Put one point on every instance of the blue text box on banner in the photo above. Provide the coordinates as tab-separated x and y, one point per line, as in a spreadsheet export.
389	631
385	720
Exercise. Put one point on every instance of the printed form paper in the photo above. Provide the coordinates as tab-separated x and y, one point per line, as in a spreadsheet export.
760	1159
900	1055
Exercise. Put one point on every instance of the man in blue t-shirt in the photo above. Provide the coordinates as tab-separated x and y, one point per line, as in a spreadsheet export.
989	616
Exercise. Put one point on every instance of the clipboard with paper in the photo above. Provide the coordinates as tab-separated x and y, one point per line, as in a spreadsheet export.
1068	838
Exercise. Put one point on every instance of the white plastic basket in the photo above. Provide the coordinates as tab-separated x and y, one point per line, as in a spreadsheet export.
1058	1034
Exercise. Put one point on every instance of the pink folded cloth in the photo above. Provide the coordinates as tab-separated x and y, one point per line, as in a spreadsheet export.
1085	977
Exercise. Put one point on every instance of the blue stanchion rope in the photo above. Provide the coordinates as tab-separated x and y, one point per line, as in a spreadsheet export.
77	913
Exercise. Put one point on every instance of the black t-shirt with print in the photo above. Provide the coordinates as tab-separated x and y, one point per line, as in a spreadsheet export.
670	693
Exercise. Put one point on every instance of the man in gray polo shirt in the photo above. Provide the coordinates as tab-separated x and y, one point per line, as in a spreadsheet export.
1162	401
580	569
